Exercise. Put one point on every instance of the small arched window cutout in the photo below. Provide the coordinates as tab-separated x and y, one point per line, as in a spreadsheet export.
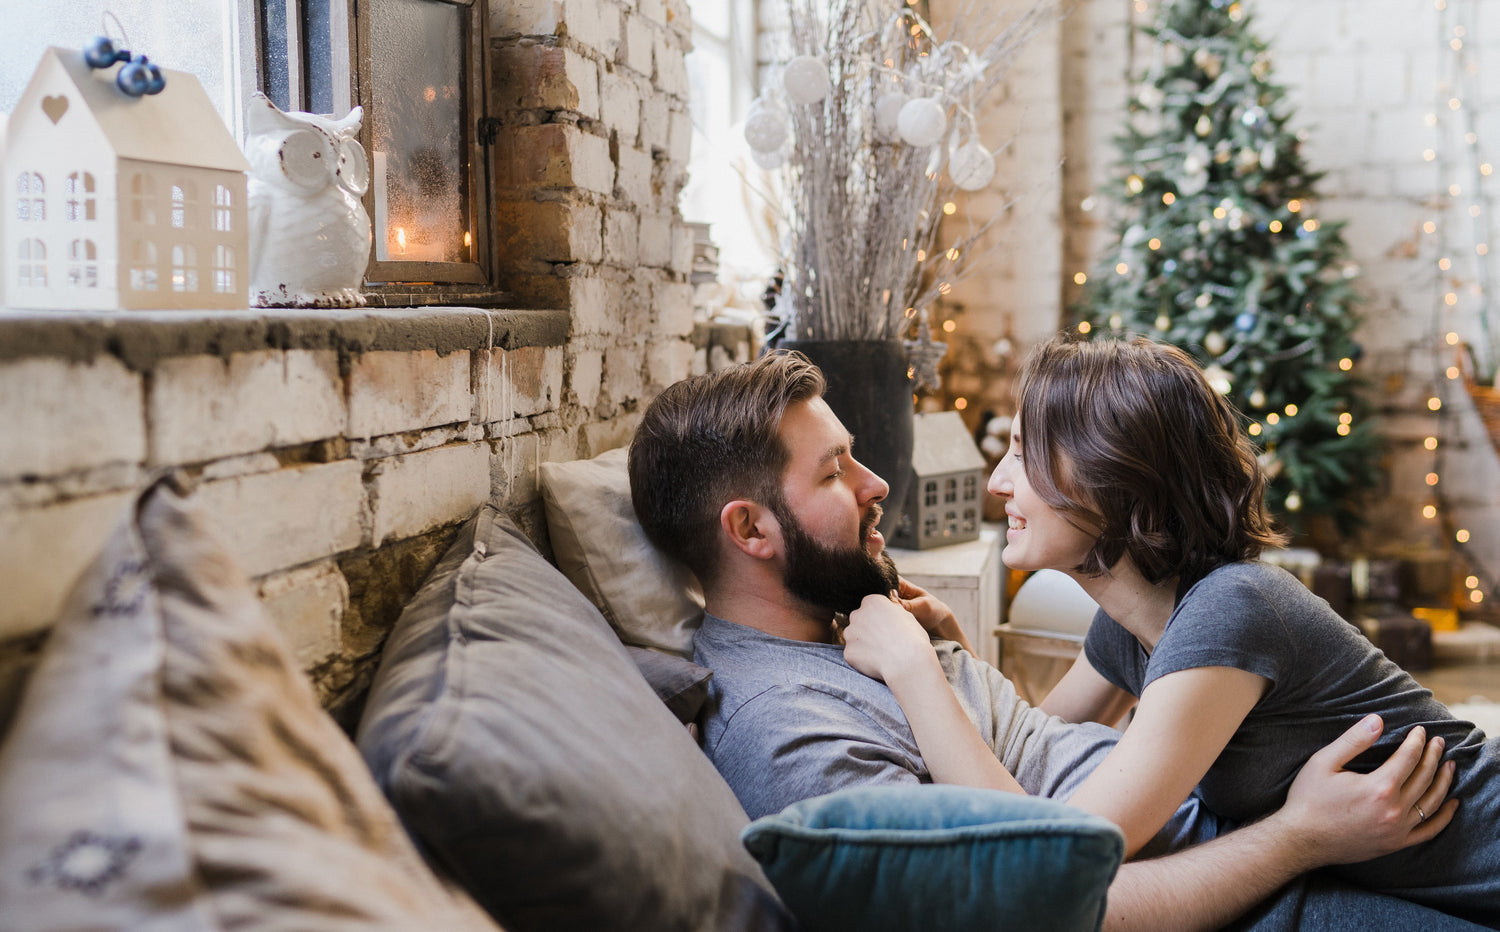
31	197
184	204
31	265
224	271
223	209
83	264
143	199
143	271
184	268
79	193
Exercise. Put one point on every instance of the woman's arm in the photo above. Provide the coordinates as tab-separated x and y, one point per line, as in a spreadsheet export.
884	641
1084	695
1183	722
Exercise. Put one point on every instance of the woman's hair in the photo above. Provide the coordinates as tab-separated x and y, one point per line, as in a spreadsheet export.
1128	438
708	440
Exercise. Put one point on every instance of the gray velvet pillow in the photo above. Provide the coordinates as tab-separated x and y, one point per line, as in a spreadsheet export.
524	750
681	684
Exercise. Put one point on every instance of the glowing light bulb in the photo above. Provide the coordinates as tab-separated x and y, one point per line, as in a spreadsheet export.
1273	419
1154	243
1434	403
1346	364
1476	597
1310	225
1254	429
1430	443
1169	198
949	326
1079	278
1451	336
1429	227
1471	582
1121	268
1429	511
1445	264
1085	327
1450	299
1342	430
1462	536
950	208
1428	155
1453	372
1294	205
1291	410
1432	478
960	403
1274	226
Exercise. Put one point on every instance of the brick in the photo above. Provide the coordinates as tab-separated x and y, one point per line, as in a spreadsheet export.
307	606
594	303
671	69
521	382
415	493
545	77
525	18
515	469
204	407
594	23
656	124
620	102
609	434
549	231
622	230
668	361
654	11
656	241
673	303
585	370
633	181
635	52
682	250
60	417
278	520
555	155
42	552
623	382
680	137
391	391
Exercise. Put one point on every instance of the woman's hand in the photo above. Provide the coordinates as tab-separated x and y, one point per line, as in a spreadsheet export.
884	640
932	614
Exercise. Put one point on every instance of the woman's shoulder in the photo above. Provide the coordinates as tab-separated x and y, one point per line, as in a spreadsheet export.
1250	578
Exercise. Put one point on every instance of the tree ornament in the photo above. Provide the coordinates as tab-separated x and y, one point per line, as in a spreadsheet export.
1151	96
971	166
1163	323
1244	321
805	79
888	114
765	128
1210	63
1257	399
1204	126
770	161
1253	116
1215	343
1293	501
1218	378
922	121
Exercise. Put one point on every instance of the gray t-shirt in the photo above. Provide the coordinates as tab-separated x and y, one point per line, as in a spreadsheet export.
788	720
1325	675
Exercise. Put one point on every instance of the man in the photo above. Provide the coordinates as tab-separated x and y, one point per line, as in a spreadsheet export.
746	476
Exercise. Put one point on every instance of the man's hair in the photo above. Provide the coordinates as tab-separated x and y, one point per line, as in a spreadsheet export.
708	440
1129	438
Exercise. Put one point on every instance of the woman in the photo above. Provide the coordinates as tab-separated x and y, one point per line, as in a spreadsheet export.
1128	472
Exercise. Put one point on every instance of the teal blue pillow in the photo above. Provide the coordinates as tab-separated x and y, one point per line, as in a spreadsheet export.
937	857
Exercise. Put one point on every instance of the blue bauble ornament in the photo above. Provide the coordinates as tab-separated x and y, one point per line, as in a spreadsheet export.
135	78
100	52
1169	266
1245	322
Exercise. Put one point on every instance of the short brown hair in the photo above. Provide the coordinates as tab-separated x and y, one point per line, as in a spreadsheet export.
1130	438
708	440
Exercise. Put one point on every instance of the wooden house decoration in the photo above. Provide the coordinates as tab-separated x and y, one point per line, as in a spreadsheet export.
119	202
946	499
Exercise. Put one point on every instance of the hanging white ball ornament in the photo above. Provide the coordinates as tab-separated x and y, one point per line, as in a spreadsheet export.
971	167
765	129
805	79
1214	342
922	121
770	161
887	114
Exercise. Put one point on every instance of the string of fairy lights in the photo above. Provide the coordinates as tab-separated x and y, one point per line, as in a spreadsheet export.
1462	229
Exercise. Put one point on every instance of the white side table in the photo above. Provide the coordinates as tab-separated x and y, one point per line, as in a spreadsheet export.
967	577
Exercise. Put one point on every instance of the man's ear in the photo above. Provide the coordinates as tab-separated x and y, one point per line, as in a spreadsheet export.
751	527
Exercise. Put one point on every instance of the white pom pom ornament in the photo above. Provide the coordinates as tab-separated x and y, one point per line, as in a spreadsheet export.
770	161
765	128
805	79
922	121
888	114
971	167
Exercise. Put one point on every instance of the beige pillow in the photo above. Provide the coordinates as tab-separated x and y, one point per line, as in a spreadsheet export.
170	768
650	599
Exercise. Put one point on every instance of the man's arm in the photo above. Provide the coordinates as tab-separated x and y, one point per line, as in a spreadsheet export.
1331	816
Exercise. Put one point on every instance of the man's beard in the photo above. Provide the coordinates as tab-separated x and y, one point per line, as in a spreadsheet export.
835	578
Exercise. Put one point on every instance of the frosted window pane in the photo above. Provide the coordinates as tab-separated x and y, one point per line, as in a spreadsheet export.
418	116
185	35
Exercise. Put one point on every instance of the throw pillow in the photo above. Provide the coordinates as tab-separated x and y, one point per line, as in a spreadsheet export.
524	750
170	768
937	857
650	599
681	684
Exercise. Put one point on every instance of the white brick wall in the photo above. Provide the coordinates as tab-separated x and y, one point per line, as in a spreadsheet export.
42	550
418	492
282	519
307	605
62	417
391	392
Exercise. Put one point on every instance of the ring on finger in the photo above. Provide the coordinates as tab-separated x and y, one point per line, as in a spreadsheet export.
1421	816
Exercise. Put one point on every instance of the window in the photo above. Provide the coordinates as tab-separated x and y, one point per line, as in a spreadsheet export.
950	491
83	264
184	268
31	269
184	203
31	199
78	192
143	273
143	199
223	209
223	269
971	488
930	493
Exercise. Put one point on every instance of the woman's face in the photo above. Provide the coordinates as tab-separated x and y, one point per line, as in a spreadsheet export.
1039	536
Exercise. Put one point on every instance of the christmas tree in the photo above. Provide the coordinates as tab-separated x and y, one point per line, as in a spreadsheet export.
1220	254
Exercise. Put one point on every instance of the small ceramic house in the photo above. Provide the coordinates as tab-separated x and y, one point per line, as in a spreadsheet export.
112	201
946	500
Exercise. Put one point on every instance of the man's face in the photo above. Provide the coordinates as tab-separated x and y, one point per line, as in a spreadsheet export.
828	513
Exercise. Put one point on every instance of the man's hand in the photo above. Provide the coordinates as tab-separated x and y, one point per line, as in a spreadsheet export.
1337	816
932	614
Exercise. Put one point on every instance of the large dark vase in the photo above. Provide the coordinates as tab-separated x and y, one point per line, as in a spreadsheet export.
870	391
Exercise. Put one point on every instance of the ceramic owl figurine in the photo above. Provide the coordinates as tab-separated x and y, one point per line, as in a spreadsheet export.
309	231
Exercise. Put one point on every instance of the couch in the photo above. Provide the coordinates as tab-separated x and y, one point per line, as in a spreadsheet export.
525	761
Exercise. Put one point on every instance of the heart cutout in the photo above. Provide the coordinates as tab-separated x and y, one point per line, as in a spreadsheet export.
54	107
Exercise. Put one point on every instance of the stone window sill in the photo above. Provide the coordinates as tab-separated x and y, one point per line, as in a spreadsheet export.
141	338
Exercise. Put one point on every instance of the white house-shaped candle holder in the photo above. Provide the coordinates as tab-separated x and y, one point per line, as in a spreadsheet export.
945	504
118	202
